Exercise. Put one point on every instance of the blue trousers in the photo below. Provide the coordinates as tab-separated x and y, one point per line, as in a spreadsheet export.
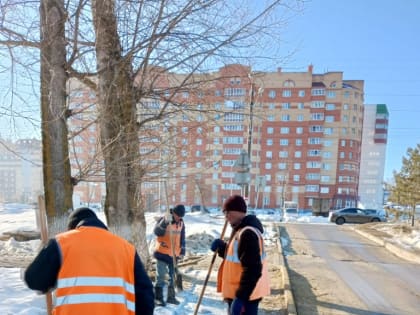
163	269
251	308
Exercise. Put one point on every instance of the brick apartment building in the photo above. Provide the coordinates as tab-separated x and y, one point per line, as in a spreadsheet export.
20	170
302	131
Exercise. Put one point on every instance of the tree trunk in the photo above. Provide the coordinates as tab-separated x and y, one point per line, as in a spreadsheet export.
57	176
119	138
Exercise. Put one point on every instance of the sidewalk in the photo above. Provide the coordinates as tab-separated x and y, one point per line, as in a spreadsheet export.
385	240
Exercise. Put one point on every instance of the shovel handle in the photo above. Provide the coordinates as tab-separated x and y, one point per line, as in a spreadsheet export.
197	306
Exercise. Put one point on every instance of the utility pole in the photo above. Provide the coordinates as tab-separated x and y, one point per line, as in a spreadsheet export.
251	118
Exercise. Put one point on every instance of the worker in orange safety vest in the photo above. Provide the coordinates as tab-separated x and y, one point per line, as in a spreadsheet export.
243	274
92	270
170	246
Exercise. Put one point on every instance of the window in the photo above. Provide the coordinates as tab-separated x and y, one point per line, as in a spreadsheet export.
298	154
331	94
315	128
235	92
270	130
299	130
271	94
317	104
311	188
269	155
316	92
287	93
198	153
301	93
314	141
284	142
199	141
296	178
282	166
283	154
328	131
296	166
285	105
289	83
270	118
325	178
314	153
328	143
317	116
268	166
329	118
330	106
300	105
271	106
284	130
269	142
346	106
300	117
285	117
298	142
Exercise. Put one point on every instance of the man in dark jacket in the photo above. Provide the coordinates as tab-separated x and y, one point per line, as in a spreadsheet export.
93	270
170	246
243	276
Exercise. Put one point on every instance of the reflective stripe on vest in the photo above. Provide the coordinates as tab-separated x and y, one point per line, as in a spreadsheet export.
97	297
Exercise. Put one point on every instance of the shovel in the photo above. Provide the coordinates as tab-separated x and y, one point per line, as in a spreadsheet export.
178	280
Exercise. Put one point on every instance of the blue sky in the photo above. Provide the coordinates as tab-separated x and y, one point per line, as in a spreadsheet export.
371	40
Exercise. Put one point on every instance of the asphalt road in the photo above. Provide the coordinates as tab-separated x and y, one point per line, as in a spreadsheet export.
334	270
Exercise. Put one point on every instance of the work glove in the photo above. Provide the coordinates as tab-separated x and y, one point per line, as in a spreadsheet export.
217	244
237	307
164	223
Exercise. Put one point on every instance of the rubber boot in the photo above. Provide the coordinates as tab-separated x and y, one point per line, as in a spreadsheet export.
159	296
171	296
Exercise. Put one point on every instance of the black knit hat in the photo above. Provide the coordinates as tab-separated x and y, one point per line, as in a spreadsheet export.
78	215
179	210
235	203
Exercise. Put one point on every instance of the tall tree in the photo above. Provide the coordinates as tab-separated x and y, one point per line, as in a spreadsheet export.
58	188
407	182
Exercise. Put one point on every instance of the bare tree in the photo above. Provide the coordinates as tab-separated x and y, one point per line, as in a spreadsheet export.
58	187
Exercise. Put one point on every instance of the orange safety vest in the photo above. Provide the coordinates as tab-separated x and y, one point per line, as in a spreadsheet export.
170	242
96	274
229	274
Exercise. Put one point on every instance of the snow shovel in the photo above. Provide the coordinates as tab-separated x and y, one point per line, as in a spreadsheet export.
178	279
197	306
42	219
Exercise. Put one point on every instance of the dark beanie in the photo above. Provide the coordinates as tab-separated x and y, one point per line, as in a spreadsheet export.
78	215
235	203
179	210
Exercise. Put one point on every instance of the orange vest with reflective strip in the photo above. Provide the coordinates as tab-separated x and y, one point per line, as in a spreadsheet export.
229	274
96	274
171	239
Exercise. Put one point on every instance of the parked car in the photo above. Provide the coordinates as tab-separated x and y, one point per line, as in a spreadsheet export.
355	215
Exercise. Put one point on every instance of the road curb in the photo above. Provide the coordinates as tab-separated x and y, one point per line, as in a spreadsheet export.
288	294
396	250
